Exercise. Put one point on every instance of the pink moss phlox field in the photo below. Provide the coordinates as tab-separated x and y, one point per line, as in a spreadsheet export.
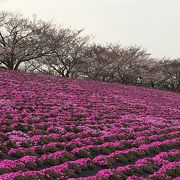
58	128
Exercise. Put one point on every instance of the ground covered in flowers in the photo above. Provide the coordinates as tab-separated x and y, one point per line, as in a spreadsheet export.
57	128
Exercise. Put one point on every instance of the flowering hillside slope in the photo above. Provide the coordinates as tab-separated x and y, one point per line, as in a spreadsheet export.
56	128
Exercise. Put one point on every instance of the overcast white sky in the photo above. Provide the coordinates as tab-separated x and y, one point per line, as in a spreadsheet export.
153	24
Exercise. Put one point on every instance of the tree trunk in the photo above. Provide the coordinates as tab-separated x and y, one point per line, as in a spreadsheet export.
10	66
17	65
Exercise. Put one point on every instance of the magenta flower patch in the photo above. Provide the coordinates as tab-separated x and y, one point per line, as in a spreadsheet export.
58	128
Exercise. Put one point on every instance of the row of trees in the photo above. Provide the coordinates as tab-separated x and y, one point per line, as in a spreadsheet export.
38	46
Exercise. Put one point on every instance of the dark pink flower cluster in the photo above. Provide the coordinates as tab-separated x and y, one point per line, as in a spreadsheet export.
58	128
